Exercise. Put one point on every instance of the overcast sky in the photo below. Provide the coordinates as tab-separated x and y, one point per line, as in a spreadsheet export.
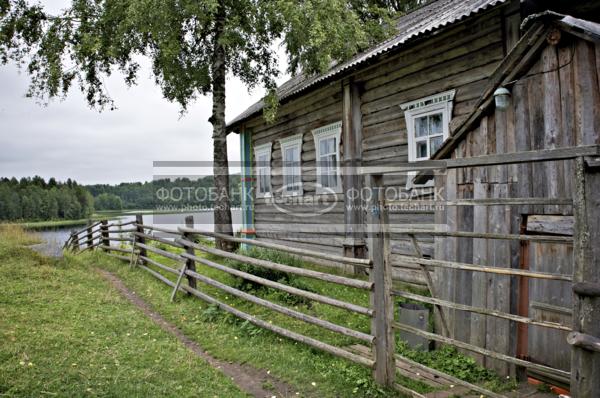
68	140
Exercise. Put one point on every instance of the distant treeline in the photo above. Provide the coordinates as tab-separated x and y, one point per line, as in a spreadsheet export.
162	192
34	199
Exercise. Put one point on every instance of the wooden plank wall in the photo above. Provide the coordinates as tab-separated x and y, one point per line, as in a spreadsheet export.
461	59
292	224
553	105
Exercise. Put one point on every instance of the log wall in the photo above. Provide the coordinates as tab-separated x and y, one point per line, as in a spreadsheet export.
462	58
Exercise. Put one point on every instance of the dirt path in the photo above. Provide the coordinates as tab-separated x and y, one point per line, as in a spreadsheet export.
247	378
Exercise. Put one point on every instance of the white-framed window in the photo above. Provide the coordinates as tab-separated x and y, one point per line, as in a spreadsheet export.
327	146
291	156
262	156
428	126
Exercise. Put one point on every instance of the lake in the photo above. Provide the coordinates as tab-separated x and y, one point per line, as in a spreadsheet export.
54	238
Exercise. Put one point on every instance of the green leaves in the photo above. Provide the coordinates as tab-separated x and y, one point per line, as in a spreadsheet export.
91	39
320	32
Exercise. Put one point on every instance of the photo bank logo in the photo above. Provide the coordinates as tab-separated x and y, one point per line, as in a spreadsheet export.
291	201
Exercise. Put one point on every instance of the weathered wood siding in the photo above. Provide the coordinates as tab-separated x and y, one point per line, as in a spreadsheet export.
555	104
462	58
289	224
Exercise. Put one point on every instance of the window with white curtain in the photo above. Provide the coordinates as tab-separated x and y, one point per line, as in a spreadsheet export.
327	146
262	156
427	125
291	152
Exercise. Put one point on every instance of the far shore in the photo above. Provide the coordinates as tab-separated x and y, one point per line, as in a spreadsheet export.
100	215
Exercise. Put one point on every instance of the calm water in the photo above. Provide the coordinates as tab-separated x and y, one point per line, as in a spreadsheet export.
55	238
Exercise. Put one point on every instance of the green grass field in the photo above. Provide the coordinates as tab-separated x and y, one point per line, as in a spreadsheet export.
232	339
79	334
66	332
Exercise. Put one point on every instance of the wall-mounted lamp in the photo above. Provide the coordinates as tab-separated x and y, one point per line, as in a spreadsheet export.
502	98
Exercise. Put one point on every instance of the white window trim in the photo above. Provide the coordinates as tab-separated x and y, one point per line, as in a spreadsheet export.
290	142
331	130
422	107
264	149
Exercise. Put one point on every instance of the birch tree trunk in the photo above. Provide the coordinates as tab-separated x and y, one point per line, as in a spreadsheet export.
222	210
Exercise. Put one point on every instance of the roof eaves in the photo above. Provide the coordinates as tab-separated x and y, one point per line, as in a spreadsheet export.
373	53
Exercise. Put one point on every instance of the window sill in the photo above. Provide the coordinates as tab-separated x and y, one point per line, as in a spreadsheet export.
292	194
328	191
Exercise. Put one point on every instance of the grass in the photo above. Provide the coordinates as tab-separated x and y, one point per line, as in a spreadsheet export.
99	215
66	332
56	223
14	235
231	339
312	372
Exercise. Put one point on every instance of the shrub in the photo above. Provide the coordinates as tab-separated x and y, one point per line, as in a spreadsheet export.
273	275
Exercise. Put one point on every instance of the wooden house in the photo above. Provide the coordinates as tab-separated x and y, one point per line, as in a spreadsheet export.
439	62
430	93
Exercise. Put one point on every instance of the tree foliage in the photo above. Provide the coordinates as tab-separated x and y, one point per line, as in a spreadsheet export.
34	199
108	201
92	39
192	46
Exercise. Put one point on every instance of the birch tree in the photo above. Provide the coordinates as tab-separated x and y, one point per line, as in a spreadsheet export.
193	45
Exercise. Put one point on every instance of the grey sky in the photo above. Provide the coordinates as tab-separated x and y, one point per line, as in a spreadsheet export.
68	140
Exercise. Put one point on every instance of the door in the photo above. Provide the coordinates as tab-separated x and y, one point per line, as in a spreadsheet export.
547	300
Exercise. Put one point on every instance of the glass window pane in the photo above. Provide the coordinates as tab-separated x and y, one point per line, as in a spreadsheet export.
422	149
263	182
333	179
331	145
322	147
435	143
291	163
435	124
421	128
325	179
262	160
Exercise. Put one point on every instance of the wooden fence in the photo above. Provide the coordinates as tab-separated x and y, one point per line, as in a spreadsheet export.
134	243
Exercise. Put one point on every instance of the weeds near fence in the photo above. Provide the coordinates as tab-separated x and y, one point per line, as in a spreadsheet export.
448	360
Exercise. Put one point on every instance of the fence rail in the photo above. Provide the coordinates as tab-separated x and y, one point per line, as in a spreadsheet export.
142	253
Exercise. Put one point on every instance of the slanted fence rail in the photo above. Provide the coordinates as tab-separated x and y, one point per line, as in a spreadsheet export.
138	246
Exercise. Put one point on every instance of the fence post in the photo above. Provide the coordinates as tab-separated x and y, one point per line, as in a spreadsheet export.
190	264
75	243
104	232
139	221
381	276
585	362
89	241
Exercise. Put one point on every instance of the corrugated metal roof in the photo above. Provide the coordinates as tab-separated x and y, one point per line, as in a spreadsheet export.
426	19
